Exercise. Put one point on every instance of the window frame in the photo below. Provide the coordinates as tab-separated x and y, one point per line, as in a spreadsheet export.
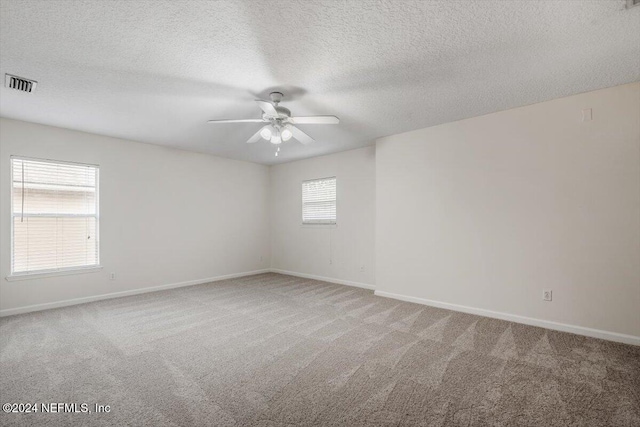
53	271
318	224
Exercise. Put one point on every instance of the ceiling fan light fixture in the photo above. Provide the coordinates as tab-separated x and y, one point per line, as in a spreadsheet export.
276	139
286	134
265	133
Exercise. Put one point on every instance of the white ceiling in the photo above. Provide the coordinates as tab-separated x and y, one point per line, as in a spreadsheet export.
155	71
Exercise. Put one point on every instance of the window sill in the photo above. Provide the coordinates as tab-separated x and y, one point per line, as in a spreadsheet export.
319	225
27	276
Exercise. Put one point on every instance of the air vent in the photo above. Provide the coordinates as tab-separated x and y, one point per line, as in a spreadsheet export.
631	3
19	83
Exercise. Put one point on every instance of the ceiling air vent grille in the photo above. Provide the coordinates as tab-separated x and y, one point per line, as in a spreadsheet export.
631	3
20	83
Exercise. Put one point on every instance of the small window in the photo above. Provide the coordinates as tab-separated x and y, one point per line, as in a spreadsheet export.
54	215
319	201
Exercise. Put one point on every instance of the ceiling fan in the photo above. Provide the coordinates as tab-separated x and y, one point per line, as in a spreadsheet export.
280	124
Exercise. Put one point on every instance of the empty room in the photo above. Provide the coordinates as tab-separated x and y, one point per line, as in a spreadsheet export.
320	213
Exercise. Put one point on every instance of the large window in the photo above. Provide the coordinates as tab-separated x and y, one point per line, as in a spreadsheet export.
319	201
54	216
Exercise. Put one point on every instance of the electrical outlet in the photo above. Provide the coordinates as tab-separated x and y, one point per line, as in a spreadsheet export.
112	276
547	294
261	258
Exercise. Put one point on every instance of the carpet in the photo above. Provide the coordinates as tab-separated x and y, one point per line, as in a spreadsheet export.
276	350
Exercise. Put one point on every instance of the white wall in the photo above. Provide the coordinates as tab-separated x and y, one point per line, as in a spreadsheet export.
345	252
166	216
484	213
487	212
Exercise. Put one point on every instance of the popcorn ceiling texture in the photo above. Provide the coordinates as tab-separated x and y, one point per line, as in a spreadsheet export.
155	71
273	350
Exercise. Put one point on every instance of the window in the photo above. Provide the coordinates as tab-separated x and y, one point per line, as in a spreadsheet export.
319	201
54	214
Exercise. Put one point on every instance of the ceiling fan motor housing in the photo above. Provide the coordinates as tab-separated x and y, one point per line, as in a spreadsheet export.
276	97
283	113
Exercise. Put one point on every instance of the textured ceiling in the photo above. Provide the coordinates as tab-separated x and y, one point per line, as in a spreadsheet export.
155	71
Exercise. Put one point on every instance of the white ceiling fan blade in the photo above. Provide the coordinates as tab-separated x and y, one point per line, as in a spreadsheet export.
237	121
301	136
256	136
315	120
268	108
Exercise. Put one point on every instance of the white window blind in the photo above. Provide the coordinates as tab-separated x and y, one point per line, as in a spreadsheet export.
319	201
54	216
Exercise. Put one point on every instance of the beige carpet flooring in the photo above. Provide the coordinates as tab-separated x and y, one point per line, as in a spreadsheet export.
274	350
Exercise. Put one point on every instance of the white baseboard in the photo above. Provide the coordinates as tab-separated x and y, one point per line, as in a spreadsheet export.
75	301
324	279
578	330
